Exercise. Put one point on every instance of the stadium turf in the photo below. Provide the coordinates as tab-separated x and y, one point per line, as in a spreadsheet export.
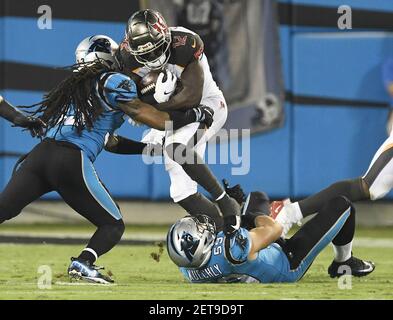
139	275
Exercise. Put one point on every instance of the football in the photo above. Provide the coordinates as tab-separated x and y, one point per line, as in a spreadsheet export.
147	84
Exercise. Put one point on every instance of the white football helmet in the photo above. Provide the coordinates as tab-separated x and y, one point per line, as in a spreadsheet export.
96	47
190	241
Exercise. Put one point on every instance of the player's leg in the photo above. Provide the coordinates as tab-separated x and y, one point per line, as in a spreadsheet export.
81	188
27	184
186	147
334	223
375	184
256	204
379	176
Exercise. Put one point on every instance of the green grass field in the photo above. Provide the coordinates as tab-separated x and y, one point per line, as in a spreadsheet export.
139	276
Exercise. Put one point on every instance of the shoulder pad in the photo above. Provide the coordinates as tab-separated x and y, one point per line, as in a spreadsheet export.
186	47
115	87
238	246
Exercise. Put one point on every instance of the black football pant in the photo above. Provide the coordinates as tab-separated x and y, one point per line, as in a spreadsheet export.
334	223
63	167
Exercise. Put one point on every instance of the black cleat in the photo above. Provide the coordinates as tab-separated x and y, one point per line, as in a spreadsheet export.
359	268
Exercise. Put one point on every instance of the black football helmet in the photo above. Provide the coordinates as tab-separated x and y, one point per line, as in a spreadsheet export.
149	38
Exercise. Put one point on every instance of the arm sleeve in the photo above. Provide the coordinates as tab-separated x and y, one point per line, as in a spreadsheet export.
115	88
127	146
237	247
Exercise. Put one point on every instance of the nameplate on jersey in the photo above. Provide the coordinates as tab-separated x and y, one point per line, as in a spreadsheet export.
204	274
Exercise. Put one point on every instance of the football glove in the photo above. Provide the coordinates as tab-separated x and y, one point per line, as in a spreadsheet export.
165	86
204	115
231	224
35	125
236	192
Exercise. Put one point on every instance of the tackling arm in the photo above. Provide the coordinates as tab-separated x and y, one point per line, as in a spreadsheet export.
266	232
8	112
150	116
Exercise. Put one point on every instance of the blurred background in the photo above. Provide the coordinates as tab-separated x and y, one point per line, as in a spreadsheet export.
315	97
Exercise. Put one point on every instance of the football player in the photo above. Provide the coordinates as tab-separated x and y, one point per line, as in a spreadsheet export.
259	254
7	111
151	45
80	112
373	185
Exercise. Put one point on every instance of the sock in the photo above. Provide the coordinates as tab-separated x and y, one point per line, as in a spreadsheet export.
88	255
295	211
290	213
342	253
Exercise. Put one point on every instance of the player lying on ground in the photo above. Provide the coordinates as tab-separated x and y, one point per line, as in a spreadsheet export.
259	254
151	45
373	185
7	111
84	108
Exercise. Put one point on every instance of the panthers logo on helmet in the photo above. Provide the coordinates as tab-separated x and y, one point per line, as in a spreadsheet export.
100	45
189	245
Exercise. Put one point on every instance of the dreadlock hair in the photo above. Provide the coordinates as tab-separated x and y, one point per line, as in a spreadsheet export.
73	96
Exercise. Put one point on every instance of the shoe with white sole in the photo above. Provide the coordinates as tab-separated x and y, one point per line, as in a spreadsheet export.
81	270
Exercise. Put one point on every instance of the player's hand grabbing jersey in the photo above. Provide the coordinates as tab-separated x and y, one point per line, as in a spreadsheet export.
111	88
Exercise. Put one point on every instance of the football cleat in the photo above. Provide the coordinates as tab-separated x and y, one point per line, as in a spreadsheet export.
359	268
82	270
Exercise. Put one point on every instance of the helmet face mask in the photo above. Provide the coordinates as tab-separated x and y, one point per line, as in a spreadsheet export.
149	38
190	241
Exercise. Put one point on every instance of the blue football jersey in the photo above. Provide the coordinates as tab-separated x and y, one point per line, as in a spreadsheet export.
229	259
115	88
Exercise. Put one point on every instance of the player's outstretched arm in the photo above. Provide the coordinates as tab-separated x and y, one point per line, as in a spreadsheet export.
150	116
10	113
121	145
191	93
266	232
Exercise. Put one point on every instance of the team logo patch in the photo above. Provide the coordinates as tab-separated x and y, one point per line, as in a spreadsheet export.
125	84
189	245
179	41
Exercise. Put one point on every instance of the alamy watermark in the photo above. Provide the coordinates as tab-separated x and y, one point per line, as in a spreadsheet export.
344	282
44	281
344	22
44	22
226	147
